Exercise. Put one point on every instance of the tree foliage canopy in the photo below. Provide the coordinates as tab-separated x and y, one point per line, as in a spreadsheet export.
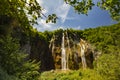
28	11
24	13
83	6
12	61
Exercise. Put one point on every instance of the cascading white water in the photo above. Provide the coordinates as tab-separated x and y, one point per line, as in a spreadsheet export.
52	45
63	54
82	46
69	50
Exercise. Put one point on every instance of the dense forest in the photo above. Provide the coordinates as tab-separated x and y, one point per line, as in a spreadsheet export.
27	54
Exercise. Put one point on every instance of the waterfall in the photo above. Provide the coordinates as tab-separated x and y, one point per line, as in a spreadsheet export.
69	50
82	46
63	54
52	45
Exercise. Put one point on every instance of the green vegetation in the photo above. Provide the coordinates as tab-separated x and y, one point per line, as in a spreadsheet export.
20	10
106	67
15	64
24	52
104	38
86	74
12	61
84	6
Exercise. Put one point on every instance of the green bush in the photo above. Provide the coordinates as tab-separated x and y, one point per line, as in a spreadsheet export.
14	62
87	74
4	75
108	66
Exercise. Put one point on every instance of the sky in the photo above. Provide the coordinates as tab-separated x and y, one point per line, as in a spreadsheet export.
68	18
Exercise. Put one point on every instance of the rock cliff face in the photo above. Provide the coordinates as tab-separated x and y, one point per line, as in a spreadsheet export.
78	52
40	52
86	56
49	52
36	46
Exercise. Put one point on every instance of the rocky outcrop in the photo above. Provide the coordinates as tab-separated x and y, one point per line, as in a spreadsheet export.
40	52
73	50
